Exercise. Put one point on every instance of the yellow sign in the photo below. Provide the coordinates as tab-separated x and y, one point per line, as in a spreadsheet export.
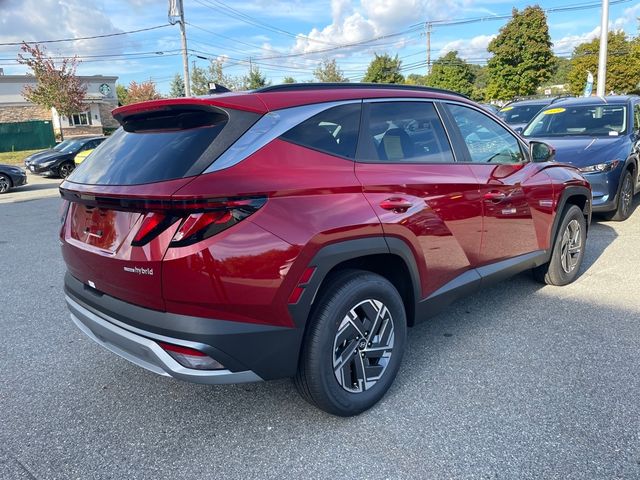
506	109
553	111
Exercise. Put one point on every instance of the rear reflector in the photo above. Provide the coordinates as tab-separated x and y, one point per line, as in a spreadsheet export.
190	357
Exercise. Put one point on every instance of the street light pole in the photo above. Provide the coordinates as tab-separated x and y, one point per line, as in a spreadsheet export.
602	59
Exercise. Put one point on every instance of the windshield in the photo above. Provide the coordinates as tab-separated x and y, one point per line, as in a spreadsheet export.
68	146
62	145
589	120
519	114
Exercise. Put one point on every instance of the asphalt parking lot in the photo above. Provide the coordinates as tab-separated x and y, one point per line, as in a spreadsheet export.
519	381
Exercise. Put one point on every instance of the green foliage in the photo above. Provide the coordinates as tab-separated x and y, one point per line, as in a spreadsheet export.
255	79
522	57
216	75
57	86
288	79
623	64
561	69
199	81
452	73
384	69
122	93
328	71
176	88
416	79
481	78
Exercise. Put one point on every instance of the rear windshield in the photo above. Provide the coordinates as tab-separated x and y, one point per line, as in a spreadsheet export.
519	114
160	146
589	120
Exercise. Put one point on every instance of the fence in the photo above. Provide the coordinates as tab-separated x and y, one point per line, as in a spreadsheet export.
30	135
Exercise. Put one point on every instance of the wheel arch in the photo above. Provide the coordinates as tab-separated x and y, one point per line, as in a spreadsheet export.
572	195
389	257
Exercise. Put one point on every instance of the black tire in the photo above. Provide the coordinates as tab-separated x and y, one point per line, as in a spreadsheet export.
5	184
330	334
625	199
65	169
568	250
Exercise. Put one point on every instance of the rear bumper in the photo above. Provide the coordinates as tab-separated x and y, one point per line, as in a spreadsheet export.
145	352
250	352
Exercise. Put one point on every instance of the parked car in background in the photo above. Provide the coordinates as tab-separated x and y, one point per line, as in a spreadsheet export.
519	113
490	108
59	160
601	136
11	177
299	230
80	157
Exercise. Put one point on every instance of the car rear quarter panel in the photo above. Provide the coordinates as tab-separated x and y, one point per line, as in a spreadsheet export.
248	272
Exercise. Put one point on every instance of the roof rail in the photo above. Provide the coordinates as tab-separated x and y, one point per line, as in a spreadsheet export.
561	97
288	87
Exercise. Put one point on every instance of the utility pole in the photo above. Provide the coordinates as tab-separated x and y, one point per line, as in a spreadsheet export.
602	59
176	15
185	55
429	25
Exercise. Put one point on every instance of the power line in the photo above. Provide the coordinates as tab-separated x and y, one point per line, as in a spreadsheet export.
86	38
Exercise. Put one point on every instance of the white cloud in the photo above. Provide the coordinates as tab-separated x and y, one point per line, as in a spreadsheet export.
475	47
372	18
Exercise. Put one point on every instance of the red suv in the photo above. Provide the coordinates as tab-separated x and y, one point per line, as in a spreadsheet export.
298	230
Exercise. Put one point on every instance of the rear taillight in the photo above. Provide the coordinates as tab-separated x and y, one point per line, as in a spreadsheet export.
153	225
199	218
190	357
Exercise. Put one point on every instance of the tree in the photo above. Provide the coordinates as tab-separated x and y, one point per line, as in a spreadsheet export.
623	64
452	73
57	86
141	92
561	69
217	75
255	79
176	89
122	93
416	79
522	57
288	79
199	81
328	71
384	69
481	75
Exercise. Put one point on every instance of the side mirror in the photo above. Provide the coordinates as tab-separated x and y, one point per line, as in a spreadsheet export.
518	130
541	152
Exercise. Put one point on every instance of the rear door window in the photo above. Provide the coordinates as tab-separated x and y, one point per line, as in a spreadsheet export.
163	145
333	131
404	132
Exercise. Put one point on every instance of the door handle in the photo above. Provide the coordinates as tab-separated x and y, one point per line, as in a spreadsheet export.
396	204
494	196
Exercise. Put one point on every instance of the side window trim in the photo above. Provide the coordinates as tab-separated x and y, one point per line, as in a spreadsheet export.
268	127
524	148
364	127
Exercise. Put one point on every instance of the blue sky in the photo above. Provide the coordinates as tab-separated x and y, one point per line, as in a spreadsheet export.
279	36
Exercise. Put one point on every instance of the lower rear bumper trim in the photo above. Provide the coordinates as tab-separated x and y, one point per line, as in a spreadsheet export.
145	352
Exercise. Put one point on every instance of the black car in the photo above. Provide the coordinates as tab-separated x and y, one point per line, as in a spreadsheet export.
11	177
58	161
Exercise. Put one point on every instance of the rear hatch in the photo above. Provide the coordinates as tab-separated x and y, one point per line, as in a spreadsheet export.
120	216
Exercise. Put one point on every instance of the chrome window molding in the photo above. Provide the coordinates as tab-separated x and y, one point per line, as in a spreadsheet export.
268	128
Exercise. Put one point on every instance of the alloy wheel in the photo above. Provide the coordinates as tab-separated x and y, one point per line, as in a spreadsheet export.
4	184
65	170
626	196
363	346
571	246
